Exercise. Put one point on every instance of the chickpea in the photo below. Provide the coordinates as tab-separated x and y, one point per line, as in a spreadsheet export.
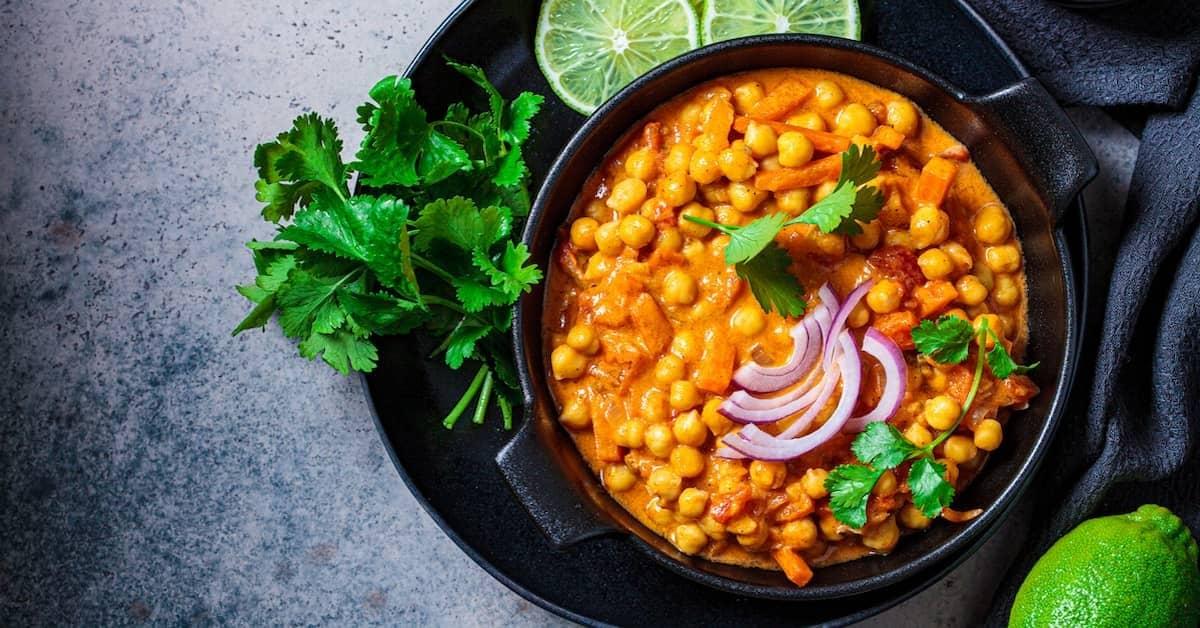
627	195
814	482
715	193
951	474
761	139
929	226
640	164
936	380
679	288
898	237
665	483
886	484
692	502
935	264
575	414
669	369
745	197
918	435
688	429
993	323
882	536
868	239
678	158
583	233
959	313
800	534
902	116
854	119
913	518
676	189
687	461
659	440
988	435
971	291
794	201
1005	258
636	231
828	94
689	538
747	95
689	116
823	190
959	255
959	449
942	412
884	297
669	239
690	228
716	422
686	345
630	433
1006	292
619	478
748	320
567	363
767	475
654	406
736	163
795	149
608	239
583	339
704	167
684	395
807	120
597	210
727	215
598	266
769	163
713	528
831	528
743	525
992	225
659	513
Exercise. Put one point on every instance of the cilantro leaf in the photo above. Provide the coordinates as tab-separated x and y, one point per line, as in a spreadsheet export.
297	164
1001	362
517	116
829	213
511	169
380	312
946	341
859	165
476	75
882	446
460	223
475	296
308	303
341	349
930	490
400	147
772	285
512	276
851	202
849	487
748	241
460	345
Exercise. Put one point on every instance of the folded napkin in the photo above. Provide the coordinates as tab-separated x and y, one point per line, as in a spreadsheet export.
1132	431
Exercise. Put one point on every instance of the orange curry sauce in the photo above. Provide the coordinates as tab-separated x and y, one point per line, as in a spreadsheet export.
644	323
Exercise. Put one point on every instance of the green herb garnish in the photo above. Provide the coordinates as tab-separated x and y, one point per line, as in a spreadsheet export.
763	264
881	446
424	243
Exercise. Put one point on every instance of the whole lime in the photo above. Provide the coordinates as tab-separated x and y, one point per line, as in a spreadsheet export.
1137	569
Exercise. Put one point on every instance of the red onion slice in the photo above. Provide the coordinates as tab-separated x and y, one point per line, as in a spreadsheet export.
839	321
765	447
884	349
806	346
829	298
822	392
804	389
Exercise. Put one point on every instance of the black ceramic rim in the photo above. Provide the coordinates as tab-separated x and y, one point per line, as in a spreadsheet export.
934	575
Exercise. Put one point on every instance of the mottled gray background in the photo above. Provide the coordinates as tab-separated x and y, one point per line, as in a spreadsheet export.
152	468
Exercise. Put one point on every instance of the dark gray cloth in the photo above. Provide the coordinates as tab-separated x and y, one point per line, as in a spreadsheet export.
1132	434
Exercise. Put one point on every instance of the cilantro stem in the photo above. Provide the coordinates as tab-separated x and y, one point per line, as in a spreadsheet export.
712	225
459	125
446	303
446	341
485	395
465	400
440	272
981	340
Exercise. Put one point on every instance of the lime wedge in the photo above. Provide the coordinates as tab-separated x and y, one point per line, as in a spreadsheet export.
589	49
729	19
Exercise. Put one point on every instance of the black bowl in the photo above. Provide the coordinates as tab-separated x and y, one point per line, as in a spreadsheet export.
1026	148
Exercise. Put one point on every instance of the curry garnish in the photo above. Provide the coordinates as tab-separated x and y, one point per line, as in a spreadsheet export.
424	242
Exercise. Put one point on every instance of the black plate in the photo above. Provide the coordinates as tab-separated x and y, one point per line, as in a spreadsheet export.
605	580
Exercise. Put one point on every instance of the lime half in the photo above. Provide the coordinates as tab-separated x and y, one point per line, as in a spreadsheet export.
729	19
590	49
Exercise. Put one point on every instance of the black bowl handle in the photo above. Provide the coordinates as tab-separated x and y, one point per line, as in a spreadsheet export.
559	508
1044	139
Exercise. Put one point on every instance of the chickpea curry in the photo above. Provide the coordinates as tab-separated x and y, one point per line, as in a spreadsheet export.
660	352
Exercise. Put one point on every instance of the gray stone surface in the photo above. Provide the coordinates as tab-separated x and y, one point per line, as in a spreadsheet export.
152	468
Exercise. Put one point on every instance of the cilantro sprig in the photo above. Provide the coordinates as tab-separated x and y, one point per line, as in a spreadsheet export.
881	446
763	264
424	242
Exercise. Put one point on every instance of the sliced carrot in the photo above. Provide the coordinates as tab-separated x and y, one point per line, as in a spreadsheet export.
604	430
885	137
823	142
793	566
934	296
934	182
653	329
808	175
715	122
716	362
727	507
652	136
898	326
780	101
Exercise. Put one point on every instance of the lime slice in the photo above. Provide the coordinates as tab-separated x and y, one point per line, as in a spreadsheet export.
590	49
729	19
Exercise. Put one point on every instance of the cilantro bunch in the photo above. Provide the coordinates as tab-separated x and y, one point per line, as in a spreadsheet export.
881	446
423	242
763	264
